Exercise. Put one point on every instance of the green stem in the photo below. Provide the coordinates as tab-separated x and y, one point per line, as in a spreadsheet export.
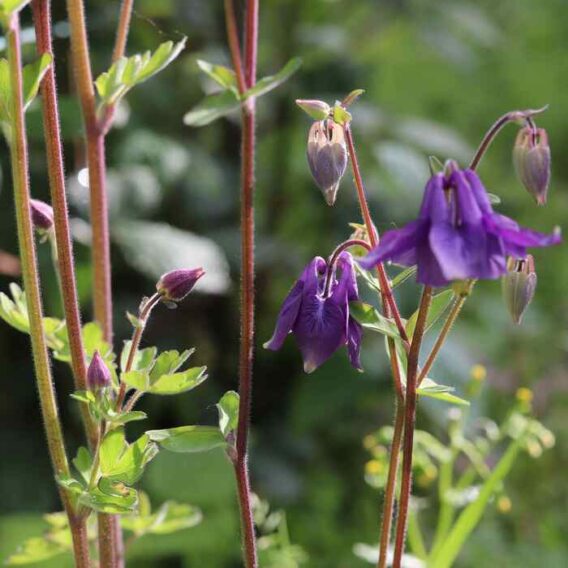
46	390
415	538
409	424
471	515
446	512
447	327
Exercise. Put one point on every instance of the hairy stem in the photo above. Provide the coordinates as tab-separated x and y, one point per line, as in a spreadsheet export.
122	29
390	488
46	389
246	78
497	126
409	423
143	316
94	139
63	243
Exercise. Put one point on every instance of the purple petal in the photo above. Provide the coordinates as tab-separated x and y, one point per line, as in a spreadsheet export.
308	283
320	330
479	191
515	235
469	211
433	202
348	276
354	336
398	245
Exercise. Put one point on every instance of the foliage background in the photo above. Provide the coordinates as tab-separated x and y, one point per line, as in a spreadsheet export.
437	73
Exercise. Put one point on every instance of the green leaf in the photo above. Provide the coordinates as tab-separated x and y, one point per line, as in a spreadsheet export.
110	497
471	515
83	463
211	108
8	7
341	116
169	518
371	319
32	76
143	359
169	362
128	72
440	303
267	84
135	321
228	408
124	462
403	276
220	74
36	549
431	389
188	439
124	418
112	448
179	382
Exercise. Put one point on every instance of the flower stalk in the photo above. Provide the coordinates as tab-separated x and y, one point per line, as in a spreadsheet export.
46	389
246	79
409	424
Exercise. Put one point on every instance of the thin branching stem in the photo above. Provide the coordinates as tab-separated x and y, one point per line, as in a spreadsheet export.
46	389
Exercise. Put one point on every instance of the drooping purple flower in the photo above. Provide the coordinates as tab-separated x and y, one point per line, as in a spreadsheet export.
316	312
42	215
98	374
175	285
457	234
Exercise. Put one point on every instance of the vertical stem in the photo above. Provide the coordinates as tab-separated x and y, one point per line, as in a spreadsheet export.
96	163
246	79
390	489
409	423
122	29
389	306
64	248
46	390
110	535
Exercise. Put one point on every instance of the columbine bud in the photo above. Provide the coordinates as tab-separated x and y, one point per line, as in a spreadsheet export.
318	110
174	286
327	157
531	157
519	285
42	215
98	374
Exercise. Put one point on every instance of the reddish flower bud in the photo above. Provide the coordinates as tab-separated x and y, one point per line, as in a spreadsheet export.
531	157
98	374
519	285
327	157
174	286
42	215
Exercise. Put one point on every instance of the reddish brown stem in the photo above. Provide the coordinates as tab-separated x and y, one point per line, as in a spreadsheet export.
389	302
122	29
409	423
234	45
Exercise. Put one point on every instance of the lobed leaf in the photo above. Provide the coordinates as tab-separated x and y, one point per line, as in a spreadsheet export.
211	108
178	382
188	439
270	82
371	319
220	74
431	389
440	303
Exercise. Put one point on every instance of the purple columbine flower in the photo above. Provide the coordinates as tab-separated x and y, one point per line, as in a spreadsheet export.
457	234
174	286
98	374
316	312
42	215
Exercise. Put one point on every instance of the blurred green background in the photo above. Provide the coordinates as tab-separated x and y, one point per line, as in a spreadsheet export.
436	74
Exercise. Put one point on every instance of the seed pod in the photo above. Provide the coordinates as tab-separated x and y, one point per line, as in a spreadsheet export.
327	157
42	215
519	285
531	158
98	374
174	286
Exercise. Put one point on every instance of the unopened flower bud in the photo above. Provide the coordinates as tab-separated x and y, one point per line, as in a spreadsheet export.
327	157
174	286
519	285
531	157
318	110
98	374
42	215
